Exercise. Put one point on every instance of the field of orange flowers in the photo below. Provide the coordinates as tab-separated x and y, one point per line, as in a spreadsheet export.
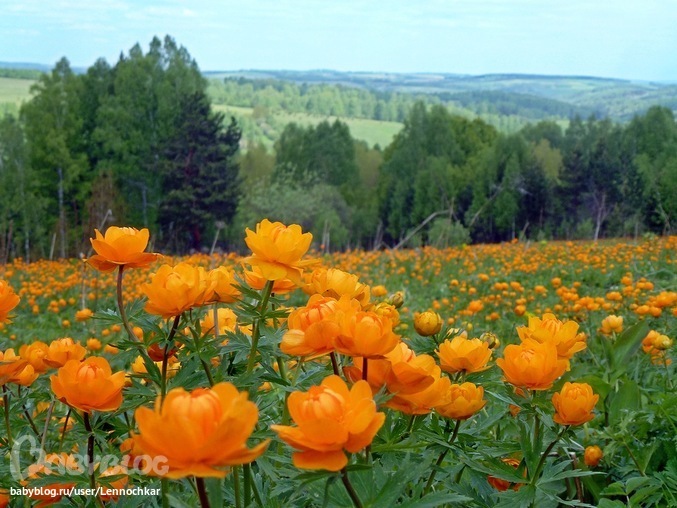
522	374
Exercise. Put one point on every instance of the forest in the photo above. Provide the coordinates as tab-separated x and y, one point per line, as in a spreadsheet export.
143	142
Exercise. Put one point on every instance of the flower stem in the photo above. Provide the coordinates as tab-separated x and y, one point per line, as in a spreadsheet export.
236	487
165	358
634	459
256	332
46	428
63	429
202	492
164	485
365	369
350	489
334	363
5	401
547	451
440	459
121	306
90	450
247	473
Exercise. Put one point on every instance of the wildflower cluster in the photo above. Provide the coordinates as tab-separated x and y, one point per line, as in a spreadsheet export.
216	382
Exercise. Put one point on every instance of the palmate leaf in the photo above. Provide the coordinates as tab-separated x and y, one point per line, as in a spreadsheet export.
494	467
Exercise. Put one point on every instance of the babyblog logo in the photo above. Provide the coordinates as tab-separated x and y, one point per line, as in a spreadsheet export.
27	450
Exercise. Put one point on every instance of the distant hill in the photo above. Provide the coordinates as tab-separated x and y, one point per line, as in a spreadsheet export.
584	95
376	103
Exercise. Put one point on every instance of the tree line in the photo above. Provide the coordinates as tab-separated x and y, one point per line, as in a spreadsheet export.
134	143
138	143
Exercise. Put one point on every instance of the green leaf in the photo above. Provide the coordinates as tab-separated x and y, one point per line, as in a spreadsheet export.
607	503
627	345
437	499
615	489
625	399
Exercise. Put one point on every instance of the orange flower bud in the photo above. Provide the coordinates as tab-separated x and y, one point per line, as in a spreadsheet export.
379	291
121	247
592	456
466	400
330	420
428	323
198	433
83	315
175	290
611	324
461	354
574	404
89	385
531	364
277	250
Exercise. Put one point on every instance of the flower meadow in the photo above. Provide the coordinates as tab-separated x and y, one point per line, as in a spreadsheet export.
519	374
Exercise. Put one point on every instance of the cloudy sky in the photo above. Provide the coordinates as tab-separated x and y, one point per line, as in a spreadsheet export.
632	39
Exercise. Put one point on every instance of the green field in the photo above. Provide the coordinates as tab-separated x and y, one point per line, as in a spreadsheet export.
12	93
268	128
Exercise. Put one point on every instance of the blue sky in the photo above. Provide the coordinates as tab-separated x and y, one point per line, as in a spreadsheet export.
632	39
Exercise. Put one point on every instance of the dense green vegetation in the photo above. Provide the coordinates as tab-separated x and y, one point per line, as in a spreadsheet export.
141	142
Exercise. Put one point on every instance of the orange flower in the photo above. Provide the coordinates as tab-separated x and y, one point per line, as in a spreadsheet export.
592	456
531	364
198	433
257	281
4	498
121	247
312	329
35	354
227	321
277	250
8	300
335	283
25	377
574	404
83	315
363	333
53	492
466	400
401	371
172	291
379	291
115	485
62	350
11	366
564	336
89	385
611	324
330	420
428	323
224	288
462	354
502	485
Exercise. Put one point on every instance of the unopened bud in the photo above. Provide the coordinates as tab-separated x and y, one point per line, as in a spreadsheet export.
491	339
428	323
